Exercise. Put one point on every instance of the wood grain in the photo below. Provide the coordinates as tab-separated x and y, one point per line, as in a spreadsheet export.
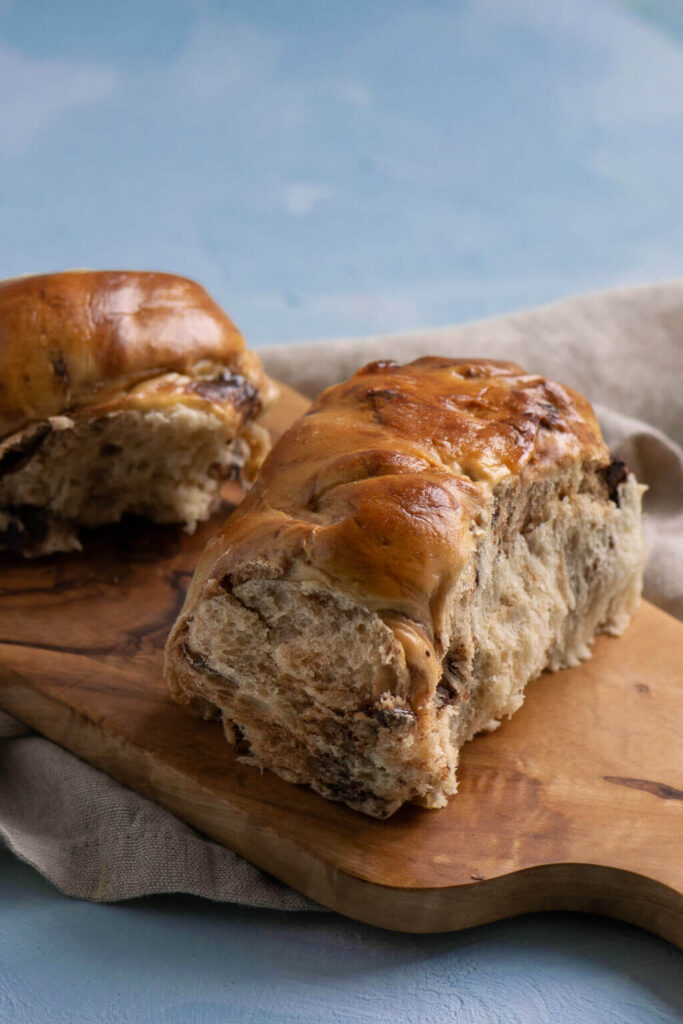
576	803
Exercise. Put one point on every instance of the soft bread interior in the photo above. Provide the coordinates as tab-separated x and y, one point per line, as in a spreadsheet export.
167	465
559	565
309	683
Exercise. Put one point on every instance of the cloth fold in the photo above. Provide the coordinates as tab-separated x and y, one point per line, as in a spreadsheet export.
95	839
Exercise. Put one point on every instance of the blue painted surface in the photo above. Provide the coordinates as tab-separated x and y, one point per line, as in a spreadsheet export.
331	168
327	169
180	960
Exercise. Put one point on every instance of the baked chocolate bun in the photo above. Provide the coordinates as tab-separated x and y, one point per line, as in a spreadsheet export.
120	392
416	548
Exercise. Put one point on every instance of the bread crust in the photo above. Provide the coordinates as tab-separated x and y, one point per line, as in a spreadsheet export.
103	339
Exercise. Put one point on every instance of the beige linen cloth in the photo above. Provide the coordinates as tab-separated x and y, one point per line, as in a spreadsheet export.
97	840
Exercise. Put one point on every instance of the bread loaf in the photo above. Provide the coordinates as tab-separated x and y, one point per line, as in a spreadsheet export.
119	392
416	548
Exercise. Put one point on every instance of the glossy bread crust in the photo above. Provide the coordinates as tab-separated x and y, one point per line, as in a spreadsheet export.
105	338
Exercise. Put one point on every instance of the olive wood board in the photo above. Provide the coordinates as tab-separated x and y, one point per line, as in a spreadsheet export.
576	803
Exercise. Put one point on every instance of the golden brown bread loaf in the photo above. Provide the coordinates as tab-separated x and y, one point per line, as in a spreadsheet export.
417	547
120	392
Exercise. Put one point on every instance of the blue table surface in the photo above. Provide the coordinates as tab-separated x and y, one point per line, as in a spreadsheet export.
329	169
182	960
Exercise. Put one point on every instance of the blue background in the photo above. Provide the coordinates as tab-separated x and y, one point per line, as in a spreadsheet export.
181	960
346	168
326	169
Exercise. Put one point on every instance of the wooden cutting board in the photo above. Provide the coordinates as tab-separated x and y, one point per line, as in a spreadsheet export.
576	803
